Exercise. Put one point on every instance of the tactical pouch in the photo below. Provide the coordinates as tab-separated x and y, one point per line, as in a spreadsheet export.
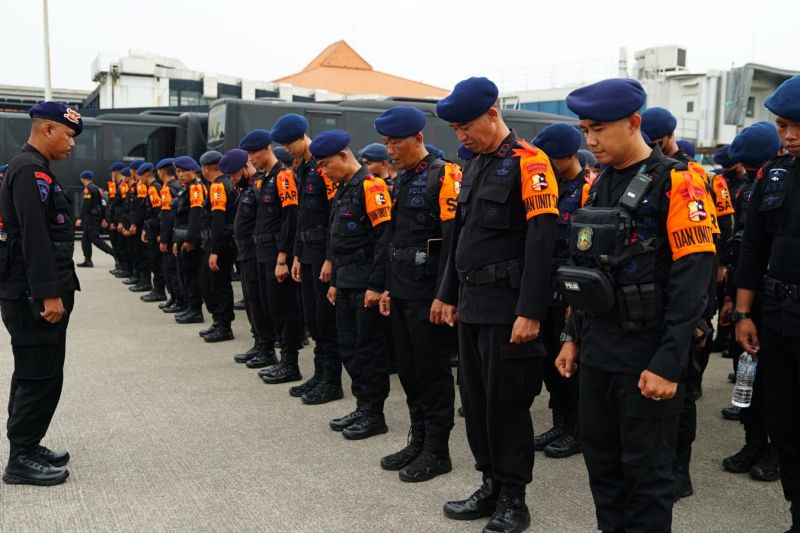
640	306
180	235
599	236
586	289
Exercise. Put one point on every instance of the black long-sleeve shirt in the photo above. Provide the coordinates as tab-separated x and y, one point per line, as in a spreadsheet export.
276	216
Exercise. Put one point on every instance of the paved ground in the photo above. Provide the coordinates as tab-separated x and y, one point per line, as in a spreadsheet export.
167	433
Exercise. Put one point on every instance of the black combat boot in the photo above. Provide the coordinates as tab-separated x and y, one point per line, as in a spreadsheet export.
323	393
433	461
339	424
511	515
53	457
746	458
155	295
683	481
222	332
265	358
282	373
168	303
541	441
401	459
87	263
767	468
176	307
732	413
483	502
371	424
299	390
204	332
249	354
141	286
239	305
192	316
566	445
30	468
120	274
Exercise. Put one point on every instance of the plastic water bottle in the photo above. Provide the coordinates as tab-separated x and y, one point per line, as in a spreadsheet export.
745	374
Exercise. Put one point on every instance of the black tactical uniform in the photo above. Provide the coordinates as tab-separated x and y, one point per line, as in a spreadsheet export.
217	237
36	250
769	263
122	216
187	212
423	209
169	194
498	269
138	208
311	246
151	226
91	215
111	216
274	232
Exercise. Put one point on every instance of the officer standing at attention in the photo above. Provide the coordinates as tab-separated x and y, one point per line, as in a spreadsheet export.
121	216
644	250
137	193
220	252
90	217
110	215
170	189
311	263
37	288
273	235
151	230
423	209
498	279
769	265
144	176
358	242
561	143
187	210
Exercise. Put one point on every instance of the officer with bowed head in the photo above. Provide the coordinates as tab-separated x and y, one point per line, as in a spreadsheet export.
496	284
358	246
170	190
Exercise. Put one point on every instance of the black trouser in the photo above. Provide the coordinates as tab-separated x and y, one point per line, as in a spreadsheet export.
563	391
628	442
320	319
282	302
189	264
169	268
423	366
257	311
779	363
39	349
154	260
216	287
121	250
132	245
91	235
687	421
498	384
361	339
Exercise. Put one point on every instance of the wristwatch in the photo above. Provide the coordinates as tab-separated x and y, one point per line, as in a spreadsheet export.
739	315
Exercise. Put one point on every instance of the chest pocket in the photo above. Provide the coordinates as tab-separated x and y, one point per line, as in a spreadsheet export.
493	209
418	204
269	195
775	191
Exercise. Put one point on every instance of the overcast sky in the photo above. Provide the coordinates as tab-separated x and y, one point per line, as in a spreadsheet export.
438	42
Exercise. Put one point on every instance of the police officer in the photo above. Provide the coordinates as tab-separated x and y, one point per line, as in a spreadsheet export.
110	215
3	168
274	234
170	189
187	211
423	208
358	240
151	230
123	221
644	251
138	208
90	217
37	286
497	277
561	142
311	263
217	236
768	264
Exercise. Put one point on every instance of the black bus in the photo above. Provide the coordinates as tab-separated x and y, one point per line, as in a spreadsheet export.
229	120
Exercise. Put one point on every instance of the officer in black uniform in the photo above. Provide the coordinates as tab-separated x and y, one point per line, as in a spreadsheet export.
497	277
91	215
37	287
170	189
110	214
358	241
123	221
643	248
274	234
220	251
187	211
561	142
312	263
768	263
139	214
151	230
423	209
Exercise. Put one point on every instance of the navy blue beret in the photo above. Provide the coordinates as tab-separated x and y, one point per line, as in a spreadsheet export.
607	100
185	162
87	175
723	158
400	121
374	153
58	112
3	168
785	101
126	172
144	168
255	140
289	128
470	99
116	167
329	142
167	161
135	164
233	160
436	151
586	158
283	154
687	147
755	144
658	122
464	153
211	157
558	140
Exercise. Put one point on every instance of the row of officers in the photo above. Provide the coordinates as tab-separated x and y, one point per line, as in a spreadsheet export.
600	286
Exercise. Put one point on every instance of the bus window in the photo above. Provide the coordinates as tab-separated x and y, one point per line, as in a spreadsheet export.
216	124
18	129
361	125
86	144
320	122
125	142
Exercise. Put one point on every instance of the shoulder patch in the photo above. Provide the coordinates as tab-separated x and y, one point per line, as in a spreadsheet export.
196	195
166	199
155	196
219	198
723	194
377	200
539	185
330	187
287	188
690	221
451	187
141	190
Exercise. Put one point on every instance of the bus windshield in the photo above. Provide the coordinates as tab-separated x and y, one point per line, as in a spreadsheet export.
216	124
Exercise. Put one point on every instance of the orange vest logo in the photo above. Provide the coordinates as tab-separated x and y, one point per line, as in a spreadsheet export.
697	212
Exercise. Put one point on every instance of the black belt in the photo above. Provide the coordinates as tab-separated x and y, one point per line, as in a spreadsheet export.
409	256
360	256
265	238
783	291
502	273
313	235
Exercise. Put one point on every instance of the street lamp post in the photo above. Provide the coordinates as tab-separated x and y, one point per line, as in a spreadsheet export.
48	91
